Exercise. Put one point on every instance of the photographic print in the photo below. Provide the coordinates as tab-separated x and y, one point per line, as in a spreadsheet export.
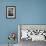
11	12
31	33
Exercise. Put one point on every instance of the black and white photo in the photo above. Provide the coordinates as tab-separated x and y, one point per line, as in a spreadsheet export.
11	12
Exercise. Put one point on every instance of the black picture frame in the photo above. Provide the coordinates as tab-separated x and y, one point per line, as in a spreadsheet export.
11	12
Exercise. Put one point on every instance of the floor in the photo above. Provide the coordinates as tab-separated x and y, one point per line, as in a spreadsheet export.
30	43
7	45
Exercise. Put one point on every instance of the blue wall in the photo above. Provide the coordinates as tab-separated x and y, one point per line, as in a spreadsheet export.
31	11
6	25
27	12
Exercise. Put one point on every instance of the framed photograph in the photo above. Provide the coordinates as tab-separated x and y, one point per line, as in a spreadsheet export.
11	12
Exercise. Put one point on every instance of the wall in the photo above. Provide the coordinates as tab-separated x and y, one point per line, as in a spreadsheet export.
31	11
6	25
27	12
